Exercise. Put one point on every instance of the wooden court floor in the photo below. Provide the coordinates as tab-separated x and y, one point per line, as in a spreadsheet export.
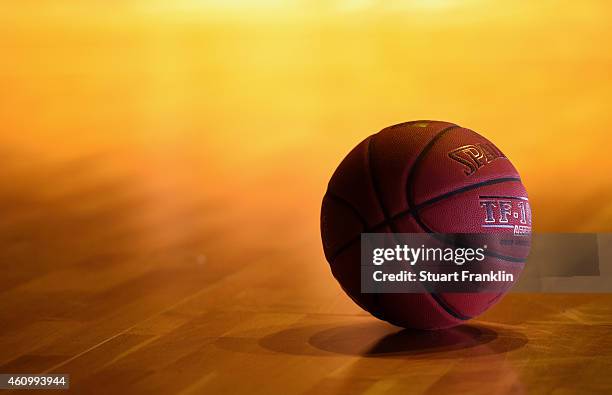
162	169
134	279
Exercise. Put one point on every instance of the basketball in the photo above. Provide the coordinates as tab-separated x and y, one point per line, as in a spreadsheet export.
423	177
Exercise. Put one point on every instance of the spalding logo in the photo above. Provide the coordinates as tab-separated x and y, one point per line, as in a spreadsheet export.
474	156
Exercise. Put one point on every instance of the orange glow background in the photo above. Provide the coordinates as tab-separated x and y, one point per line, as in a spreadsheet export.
239	111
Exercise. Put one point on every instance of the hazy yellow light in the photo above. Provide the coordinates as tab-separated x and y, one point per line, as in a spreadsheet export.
355	5
197	6
432	3
200	7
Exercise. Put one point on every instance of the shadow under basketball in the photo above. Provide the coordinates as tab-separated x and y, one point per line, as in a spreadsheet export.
377	339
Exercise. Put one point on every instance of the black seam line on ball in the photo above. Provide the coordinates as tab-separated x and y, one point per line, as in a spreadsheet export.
413	172
348	205
375	182
506	258
377	306
391	224
449	308
446	195
410	196
410	212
